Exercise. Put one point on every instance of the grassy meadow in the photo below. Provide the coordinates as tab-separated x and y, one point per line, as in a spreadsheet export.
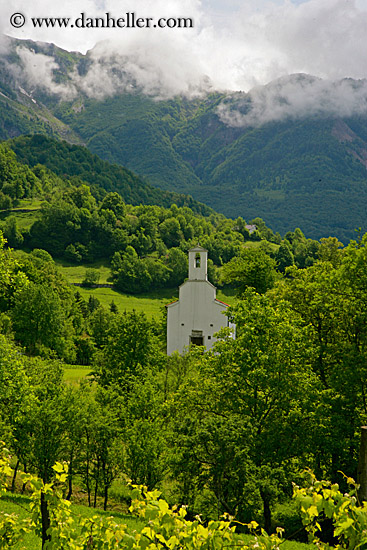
150	303
74	374
13	503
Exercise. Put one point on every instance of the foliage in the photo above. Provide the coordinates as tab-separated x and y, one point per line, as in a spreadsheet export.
165	527
38	318
253	268
249	394
91	277
79	163
12	280
323	500
292	172
131	347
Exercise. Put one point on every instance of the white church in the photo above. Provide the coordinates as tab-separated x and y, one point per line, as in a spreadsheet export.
197	315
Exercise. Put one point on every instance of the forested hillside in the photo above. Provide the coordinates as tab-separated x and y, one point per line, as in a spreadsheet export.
298	171
145	245
78	163
225	431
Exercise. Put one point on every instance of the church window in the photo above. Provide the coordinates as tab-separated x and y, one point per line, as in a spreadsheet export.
197	260
197	340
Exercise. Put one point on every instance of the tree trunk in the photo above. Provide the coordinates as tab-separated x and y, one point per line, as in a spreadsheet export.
24	484
362	466
105	497
45	518
266	510
97	480
95	494
70	480
105	485
14	476
87	471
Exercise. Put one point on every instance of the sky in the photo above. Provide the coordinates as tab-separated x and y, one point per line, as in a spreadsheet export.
234	45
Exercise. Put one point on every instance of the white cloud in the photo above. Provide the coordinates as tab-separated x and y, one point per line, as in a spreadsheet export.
233	46
36	64
295	97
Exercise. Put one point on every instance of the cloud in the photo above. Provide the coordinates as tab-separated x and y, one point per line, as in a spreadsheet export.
233	46
295	97
34	65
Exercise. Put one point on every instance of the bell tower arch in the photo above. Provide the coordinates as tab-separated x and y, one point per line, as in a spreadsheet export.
198	264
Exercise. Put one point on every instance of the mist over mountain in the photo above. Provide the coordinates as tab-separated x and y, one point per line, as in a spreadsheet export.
293	152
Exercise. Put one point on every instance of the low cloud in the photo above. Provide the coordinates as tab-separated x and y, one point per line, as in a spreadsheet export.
294	97
242	46
37	71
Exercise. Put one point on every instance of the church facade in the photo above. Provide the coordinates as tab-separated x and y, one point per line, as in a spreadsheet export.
197	315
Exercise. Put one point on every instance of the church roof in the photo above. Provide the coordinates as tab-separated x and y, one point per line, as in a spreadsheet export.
220	301
172	303
198	248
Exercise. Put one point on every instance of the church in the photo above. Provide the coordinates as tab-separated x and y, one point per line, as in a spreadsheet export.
197	315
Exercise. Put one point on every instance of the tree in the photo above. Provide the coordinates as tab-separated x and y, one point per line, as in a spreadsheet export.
144	434
254	268
47	418
113	307
130	274
331	300
91	277
38	318
329	250
16	399
12	278
6	202
170	232
115	203
245	422
284	256
12	233
130	349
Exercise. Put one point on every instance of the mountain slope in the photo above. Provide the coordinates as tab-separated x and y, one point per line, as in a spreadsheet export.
69	160
309	173
306	169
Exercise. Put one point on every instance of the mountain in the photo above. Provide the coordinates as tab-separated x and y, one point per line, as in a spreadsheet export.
294	162
76	162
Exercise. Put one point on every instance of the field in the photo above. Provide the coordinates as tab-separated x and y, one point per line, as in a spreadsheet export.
19	505
73	374
25	213
151	303
76	273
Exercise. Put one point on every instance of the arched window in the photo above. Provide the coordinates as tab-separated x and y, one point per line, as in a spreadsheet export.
197	260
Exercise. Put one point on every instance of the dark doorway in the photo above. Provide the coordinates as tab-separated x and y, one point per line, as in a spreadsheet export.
197	340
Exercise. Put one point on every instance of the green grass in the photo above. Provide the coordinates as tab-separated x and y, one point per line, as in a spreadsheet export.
73	375
19	505
256	244
76	273
29	204
151	304
227	295
24	219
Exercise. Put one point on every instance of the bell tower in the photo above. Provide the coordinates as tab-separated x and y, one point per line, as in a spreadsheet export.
198	264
